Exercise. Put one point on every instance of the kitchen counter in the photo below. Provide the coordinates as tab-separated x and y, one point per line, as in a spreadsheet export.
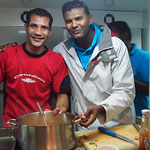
129	131
100	138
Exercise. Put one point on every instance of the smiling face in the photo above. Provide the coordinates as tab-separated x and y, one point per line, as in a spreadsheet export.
37	33
78	23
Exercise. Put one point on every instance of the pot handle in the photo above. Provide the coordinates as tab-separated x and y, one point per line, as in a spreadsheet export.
77	121
12	123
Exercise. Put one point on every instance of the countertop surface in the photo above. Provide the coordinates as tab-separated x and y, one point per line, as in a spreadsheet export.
100	138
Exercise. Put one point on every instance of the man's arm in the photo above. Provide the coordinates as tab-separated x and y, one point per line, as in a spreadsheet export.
3	47
123	91
61	104
91	114
61	85
142	87
123	88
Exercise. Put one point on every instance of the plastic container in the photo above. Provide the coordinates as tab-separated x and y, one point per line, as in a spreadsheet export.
107	147
143	133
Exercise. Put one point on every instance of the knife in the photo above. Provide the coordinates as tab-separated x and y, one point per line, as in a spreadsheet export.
111	133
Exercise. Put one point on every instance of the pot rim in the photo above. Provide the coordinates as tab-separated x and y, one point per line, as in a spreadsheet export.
16	121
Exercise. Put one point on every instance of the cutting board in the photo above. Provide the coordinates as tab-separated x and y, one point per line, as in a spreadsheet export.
100	138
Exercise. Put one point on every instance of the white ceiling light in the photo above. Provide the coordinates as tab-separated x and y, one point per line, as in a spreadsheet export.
22	32
26	1
109	3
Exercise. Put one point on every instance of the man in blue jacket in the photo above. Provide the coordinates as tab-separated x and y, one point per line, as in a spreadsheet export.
140	65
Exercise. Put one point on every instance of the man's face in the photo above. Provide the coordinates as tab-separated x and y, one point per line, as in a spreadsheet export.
37	31
77	23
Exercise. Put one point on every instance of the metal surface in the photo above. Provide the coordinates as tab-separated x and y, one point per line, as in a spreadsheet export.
7	138
125	139
1	92
39	106
78	146
138	120
41	111
111	133
34	135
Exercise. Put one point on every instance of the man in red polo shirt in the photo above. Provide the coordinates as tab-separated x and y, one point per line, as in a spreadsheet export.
31	70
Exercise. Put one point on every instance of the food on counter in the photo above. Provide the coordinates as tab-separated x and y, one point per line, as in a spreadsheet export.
84	137
94	145
136	138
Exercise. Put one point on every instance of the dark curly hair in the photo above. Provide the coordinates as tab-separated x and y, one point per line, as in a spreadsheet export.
75	4
26	15
121	27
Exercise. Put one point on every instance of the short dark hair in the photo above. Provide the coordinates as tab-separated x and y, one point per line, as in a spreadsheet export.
121	27
36	11
75	4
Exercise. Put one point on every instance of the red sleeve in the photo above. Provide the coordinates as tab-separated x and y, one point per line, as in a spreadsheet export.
61	83
114	34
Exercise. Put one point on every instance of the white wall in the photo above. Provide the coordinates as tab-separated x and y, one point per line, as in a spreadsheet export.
11	17
146	25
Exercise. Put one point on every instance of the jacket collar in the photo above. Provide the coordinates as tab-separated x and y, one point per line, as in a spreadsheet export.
68	43
105	42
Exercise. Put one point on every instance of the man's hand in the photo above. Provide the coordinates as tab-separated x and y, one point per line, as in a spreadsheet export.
61	104
3	47
91	114
58	110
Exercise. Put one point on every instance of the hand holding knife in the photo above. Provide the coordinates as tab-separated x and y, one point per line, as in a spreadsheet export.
111	133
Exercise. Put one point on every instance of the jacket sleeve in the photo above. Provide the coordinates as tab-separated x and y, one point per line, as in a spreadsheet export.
123	90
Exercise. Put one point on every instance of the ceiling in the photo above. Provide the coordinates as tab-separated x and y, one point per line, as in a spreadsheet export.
117	5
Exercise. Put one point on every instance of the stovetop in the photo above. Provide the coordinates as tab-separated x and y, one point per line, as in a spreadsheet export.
78	146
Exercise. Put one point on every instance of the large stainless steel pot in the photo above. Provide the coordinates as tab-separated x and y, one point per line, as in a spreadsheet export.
32	134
